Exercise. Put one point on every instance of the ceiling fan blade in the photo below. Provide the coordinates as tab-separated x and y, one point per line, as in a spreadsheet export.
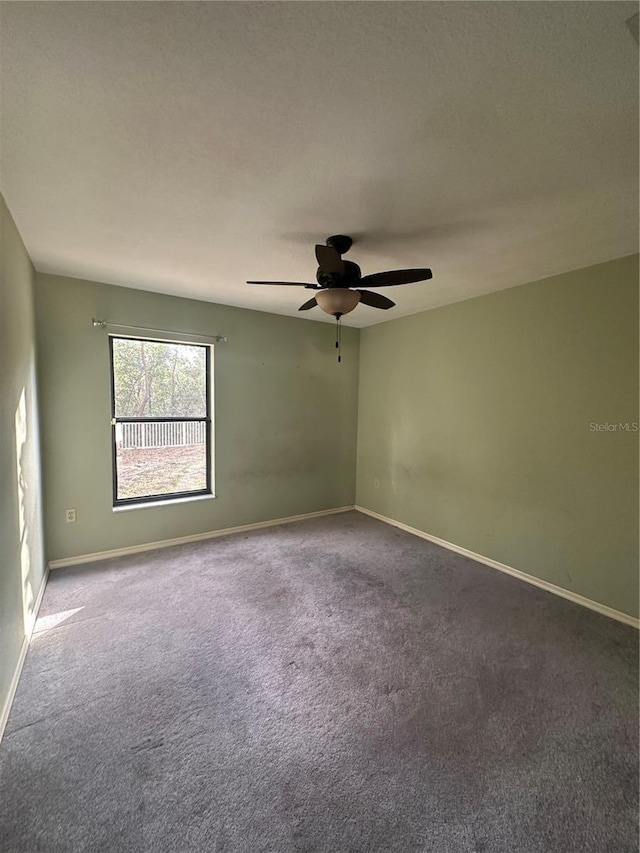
389	279
376	300
310	304
329	260
287	284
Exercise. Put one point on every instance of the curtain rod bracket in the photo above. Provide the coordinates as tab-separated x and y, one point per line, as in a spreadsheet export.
102	324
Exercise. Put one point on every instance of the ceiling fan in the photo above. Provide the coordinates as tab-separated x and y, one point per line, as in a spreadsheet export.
337	279
336	282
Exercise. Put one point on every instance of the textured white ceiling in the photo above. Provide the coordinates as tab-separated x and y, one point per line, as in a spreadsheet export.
186	147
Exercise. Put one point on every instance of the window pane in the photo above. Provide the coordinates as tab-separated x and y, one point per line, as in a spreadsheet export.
158	380
160	458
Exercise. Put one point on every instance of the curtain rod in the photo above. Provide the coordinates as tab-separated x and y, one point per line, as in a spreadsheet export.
102	324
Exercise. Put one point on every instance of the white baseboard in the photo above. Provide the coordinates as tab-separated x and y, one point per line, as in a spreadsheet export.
516	573
13	686
183	540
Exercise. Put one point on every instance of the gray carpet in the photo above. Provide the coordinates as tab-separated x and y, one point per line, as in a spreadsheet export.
333	685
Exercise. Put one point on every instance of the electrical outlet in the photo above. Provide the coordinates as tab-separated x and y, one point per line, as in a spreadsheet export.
376	483
70	515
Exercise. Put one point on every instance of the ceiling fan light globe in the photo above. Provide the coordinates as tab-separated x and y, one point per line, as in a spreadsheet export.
337	300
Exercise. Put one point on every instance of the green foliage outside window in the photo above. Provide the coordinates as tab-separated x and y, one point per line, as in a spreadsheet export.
153	379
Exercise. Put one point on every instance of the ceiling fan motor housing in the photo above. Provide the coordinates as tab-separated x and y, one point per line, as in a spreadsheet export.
352	271
352	274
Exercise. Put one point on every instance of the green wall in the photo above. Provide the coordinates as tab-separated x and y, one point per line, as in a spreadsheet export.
285	415
474	426
21	548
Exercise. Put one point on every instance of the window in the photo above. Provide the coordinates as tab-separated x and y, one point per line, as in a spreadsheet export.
160	420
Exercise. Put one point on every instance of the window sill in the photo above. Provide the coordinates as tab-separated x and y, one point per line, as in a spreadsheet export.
170	502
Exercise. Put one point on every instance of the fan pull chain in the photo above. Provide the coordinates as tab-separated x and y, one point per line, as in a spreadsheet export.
339	337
